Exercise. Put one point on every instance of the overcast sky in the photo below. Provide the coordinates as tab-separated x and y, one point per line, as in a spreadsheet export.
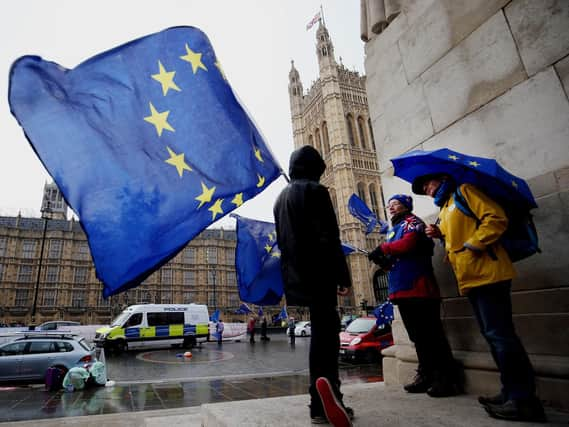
255	41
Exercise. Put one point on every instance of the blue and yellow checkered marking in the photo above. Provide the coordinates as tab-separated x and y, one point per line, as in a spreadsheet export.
164	331
132	333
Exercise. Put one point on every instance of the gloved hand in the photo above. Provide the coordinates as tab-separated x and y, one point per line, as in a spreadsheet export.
379	258
376	255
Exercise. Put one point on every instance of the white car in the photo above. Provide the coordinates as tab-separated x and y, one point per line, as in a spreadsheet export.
302	329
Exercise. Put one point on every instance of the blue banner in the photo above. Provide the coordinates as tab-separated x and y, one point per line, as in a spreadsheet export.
148	144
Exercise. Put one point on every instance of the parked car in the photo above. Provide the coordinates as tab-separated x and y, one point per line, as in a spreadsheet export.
364	340
346	320
52	325
302	329
27	356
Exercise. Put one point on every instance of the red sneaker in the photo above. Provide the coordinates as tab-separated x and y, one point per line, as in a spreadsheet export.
333	408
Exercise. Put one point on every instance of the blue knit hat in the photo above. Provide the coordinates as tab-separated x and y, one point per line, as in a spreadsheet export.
404	199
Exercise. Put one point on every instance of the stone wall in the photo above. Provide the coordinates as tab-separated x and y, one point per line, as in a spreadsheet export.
487	78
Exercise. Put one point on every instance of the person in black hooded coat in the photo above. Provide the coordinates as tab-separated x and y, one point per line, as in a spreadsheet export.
313	265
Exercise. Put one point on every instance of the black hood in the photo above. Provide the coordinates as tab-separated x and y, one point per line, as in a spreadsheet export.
306	163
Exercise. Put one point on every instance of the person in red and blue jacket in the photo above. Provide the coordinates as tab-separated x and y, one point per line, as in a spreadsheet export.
413	288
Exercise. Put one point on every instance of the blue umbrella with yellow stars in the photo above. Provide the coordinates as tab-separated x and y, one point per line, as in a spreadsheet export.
484	173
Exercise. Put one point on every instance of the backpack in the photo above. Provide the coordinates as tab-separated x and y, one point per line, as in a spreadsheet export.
520	238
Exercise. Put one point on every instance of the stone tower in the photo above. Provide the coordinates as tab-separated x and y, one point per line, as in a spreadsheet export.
53	206
333	117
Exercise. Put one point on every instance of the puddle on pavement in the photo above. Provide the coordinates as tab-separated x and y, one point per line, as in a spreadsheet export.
178	357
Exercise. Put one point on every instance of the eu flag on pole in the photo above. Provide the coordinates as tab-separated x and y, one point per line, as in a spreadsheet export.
360	210
215	316
243	309
148	144
348	249
384	313
257	262
282	315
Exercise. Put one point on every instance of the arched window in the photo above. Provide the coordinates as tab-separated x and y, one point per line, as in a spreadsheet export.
371	133
362	192
351	135
373	200
318	145
324	51
326	140
361	129
311	140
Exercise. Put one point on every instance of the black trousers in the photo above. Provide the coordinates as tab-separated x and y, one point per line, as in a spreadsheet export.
324	351
422	320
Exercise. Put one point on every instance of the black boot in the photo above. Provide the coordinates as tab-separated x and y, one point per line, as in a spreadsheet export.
420	384
518	410
491	400
444	385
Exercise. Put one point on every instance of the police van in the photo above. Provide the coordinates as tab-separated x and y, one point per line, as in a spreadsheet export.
149	325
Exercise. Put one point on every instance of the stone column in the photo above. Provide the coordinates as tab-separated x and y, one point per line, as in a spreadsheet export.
363	21
392	9
376	16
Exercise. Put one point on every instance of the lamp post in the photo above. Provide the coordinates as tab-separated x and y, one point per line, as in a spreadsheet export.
45	211
213	276
363	304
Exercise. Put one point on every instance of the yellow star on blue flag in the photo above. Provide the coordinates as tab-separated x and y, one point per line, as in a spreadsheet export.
160	146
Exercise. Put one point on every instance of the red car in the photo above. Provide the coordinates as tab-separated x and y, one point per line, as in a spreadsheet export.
363	340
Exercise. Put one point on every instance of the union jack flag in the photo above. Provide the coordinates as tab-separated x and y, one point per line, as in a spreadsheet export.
313	21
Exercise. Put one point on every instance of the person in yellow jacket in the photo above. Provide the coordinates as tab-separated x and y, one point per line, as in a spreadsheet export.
484	273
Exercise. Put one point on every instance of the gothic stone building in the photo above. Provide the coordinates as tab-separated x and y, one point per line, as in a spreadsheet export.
67	287
333	117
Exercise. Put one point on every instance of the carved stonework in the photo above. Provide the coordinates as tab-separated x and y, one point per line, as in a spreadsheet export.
376	15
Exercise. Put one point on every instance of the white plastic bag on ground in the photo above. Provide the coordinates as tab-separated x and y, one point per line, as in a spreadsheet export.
99	373
76	378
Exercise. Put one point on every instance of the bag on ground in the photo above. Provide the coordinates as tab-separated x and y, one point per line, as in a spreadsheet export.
98	373
76	378
53	378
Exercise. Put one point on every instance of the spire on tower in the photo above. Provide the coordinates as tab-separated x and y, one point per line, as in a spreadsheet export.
294	83
324	46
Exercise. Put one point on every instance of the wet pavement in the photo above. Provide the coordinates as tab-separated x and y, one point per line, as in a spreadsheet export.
163	379
211	361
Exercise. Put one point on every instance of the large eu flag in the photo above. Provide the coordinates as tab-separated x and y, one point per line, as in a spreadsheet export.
257	262
148	144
